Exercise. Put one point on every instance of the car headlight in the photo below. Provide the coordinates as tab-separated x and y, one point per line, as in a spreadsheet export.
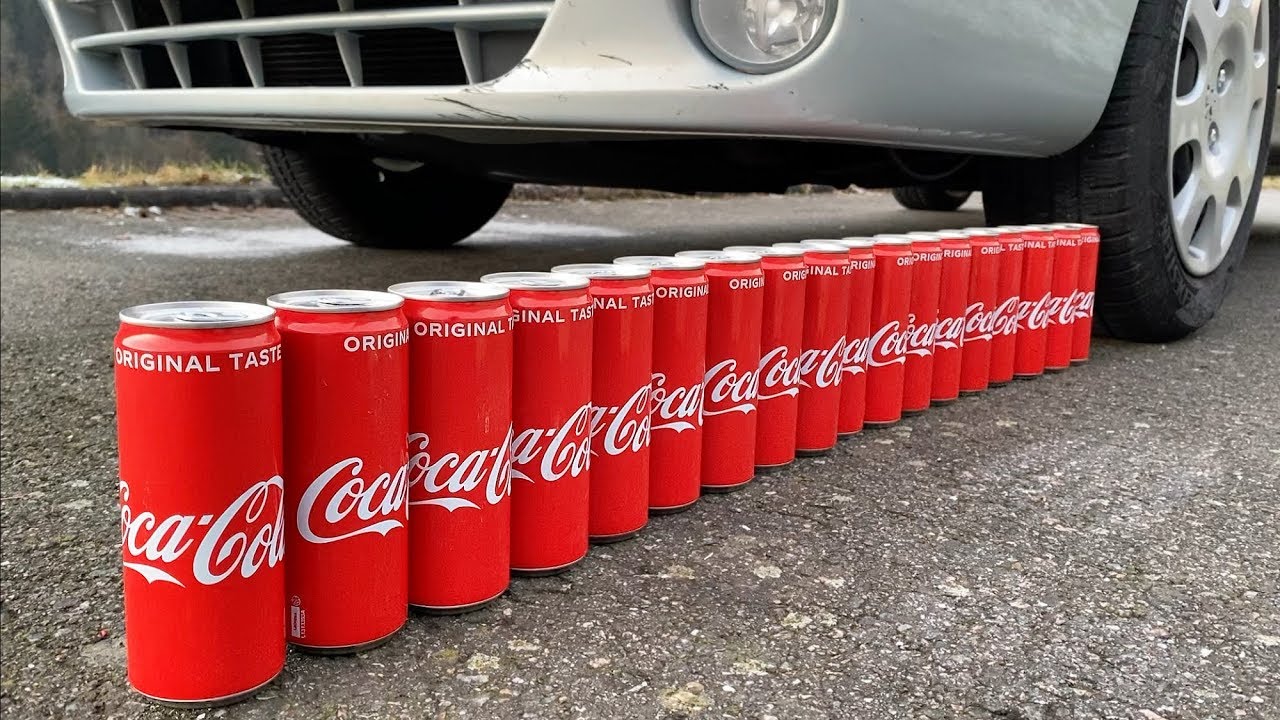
763	36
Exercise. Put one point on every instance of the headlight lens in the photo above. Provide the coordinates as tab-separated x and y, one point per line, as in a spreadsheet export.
762	36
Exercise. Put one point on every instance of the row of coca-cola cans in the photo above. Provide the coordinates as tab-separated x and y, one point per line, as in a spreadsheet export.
542	411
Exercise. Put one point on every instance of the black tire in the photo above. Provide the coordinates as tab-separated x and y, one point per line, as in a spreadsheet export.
353	199
1118	179
930	197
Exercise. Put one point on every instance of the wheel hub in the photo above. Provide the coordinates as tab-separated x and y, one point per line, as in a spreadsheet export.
1215	131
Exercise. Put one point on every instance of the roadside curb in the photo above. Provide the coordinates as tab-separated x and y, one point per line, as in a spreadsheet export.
66	198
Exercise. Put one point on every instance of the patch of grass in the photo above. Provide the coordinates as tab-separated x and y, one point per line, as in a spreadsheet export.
169	175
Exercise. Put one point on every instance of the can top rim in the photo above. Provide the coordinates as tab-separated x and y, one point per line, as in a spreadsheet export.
720	256
1037	228
448	291
775	250
890	239
1074	226
606	271
852	242
546	281
197	314
824	246
983	232
335	301
662	262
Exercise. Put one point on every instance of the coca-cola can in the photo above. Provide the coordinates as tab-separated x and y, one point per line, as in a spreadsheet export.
1082	301
551	412
922	322
1033	307
735	313
346	407
1004	326
680	294
853	385
979	321
887	350
826	320
621	378
1064	287
781	334
460	435
953	307
198	392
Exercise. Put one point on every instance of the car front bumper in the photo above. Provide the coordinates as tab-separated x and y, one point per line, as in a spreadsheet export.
970	77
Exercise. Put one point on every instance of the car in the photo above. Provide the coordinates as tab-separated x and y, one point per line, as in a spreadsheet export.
404	123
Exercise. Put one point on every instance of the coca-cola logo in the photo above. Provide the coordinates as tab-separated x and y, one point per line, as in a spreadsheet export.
888	345
627	429
1084	306
1034	314
1004	319
246	535
779	374
377	504
449	479
920	337
979	323
675	408
1065	310
948	333
728	391
855	356
552	453
821	367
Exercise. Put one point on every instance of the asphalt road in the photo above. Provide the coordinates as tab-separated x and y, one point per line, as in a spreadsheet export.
1100	543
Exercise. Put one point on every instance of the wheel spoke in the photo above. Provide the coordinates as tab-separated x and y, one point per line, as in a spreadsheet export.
1205	24
1187	206
1187	121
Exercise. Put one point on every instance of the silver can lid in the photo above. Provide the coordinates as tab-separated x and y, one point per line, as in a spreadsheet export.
1012	228
197	314
855	242
662	262
982	232
824	246
335	301
610	271
1076	226
537	280
892	239
774	250
721	256
449	291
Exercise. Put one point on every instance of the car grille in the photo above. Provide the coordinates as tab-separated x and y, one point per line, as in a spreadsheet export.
159	44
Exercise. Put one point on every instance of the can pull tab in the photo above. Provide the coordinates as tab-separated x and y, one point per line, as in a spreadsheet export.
207	316
341	301
446	292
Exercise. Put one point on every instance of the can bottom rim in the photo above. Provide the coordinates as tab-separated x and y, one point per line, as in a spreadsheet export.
348	649
210	702
914	411
673	509
942	401
877	424
610	539
848	435
1079	361
546	572
814	453
723	489
457	609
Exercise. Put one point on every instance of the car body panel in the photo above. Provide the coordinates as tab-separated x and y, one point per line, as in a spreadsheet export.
1028	78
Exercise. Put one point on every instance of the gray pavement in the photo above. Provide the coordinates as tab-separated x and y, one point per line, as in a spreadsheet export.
1100	543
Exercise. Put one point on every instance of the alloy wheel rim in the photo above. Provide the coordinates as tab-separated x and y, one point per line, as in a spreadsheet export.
1219	101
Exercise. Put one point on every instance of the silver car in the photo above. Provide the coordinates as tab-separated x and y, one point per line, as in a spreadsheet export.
404	123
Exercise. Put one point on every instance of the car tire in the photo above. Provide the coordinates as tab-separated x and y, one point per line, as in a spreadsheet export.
930	197
1154	283
356	200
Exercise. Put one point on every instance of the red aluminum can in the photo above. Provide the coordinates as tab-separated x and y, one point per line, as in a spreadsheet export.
1004	323
781	334
1064	286
1033	307
621	377
1082	330
199	417
551	414
953	303
922	322
826	320
887	349
460	360
675	421
853	385
346	406
735	311
979	320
